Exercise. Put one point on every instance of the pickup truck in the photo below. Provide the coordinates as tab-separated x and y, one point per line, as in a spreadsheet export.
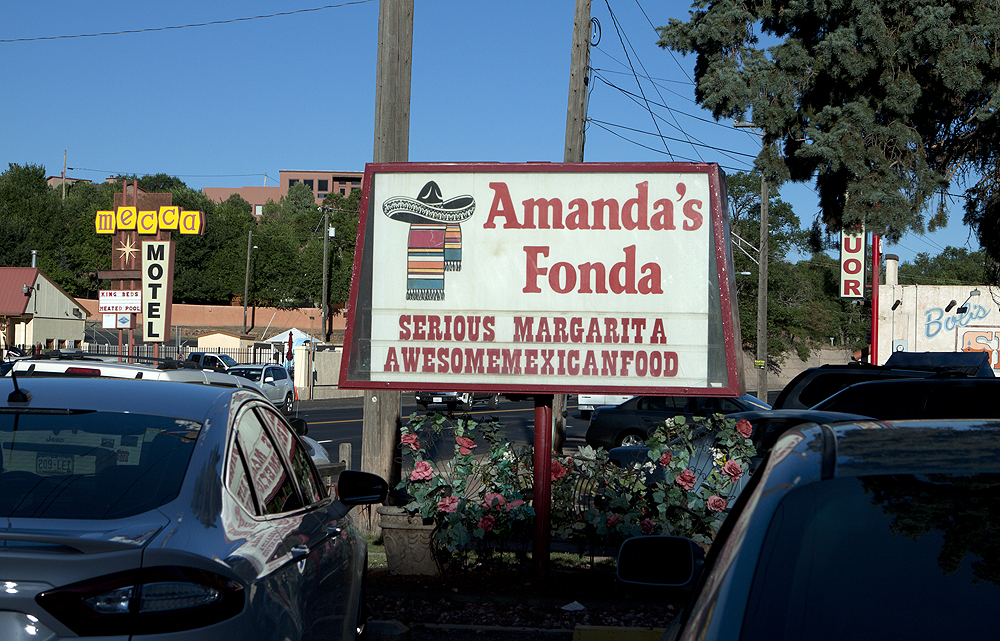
213	362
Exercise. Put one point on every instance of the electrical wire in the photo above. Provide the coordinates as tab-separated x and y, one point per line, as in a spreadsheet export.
185	26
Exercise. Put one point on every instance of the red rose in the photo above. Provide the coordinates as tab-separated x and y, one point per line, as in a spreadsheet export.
465	445
648	527
558	471
411	440
613	519
686	480
744	428
486	523
422	471
665	458
716	503
733	470
448	504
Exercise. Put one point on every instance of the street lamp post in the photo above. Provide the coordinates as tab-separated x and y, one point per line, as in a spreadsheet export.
761	363
246	282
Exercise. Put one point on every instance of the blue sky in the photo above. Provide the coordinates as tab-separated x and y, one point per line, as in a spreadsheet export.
224	104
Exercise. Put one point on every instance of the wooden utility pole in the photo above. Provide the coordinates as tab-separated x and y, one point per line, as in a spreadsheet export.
324	313
381	422
762	293
576	120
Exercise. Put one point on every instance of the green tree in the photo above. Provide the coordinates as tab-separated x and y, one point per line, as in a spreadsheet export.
953	266
883	102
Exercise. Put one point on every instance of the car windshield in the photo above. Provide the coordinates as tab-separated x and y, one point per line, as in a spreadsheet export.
228	360
865	557
246	372
90	465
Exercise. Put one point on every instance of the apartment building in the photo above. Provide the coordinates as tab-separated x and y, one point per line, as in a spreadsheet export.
321	183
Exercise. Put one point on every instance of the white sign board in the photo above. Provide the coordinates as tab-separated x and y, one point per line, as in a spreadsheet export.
157	288
514	277
117	301
116	321
852	263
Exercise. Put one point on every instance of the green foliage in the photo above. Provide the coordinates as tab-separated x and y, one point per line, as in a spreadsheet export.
953	266
883	102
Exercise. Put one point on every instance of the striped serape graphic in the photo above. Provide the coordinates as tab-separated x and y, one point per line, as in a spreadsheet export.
453	248
425	267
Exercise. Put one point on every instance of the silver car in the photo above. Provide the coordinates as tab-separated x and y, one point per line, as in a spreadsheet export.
131	508
273	379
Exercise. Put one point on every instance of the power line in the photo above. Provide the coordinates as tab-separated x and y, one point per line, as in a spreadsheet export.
185	26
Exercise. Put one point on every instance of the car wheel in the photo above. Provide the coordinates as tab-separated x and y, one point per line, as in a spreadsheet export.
494	401
422	406
289	403
631	440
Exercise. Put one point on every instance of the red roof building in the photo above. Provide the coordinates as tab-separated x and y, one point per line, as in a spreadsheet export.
34	310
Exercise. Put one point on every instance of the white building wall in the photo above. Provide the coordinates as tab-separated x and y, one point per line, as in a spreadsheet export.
56	320
923	322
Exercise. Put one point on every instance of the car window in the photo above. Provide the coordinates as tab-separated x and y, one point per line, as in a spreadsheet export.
273	484
91	465
278	373
228	360
247	373
662	403
238	480
839	551
292	448
704	406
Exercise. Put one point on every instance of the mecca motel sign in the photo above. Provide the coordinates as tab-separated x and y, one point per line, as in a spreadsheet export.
143	250
544	278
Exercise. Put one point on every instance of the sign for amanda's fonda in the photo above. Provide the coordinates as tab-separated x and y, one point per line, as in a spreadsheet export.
543	278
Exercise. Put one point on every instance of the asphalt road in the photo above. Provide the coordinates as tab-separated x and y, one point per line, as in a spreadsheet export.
335	421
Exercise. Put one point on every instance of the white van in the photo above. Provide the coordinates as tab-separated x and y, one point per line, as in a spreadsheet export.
586	403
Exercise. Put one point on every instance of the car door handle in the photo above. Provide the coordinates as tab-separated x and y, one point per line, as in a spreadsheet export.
300	551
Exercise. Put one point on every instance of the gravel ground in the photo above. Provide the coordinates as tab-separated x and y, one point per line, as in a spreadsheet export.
511	601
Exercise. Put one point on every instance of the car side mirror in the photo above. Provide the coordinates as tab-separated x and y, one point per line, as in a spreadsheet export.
361	488
299	425
662	561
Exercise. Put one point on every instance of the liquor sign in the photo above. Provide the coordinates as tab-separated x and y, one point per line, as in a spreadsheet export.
114	301
852	263
544	277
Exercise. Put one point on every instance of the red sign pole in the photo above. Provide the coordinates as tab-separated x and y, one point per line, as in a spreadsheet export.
542	493
876	258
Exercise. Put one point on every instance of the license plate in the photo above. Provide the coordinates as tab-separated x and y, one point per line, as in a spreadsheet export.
53	464
437	399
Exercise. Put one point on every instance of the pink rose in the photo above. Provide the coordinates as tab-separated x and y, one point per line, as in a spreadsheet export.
733	470
516	503
448	504
409	439
494	499
744	428
647	525
686	480
716	503
614	519
665	458
558	471
422	471
486	523
465	445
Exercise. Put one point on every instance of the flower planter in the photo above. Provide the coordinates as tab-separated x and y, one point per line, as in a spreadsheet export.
408	542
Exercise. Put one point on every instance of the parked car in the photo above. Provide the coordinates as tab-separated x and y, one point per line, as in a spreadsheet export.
454	399
175	510
849	531
815	384
273	379
587	403
214	362
631	422
919	398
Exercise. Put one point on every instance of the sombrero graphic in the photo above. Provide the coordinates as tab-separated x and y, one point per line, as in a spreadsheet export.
434	245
